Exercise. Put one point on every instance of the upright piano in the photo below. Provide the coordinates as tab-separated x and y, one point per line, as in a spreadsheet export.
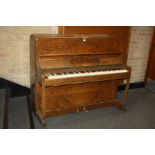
72	73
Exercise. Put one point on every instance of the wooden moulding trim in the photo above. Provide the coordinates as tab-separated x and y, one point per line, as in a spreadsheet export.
94	30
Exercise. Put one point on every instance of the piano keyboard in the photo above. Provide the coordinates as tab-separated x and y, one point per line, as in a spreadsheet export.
83	73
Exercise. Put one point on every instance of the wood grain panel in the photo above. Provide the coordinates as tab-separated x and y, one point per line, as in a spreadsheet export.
109	30
74	46
73	96
79	60
121	31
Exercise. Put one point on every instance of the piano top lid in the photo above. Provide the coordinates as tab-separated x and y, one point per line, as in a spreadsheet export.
77	36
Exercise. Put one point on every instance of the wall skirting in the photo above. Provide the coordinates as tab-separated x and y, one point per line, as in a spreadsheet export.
132	85
15	89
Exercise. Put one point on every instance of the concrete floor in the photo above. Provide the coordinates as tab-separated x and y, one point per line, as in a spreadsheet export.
139	114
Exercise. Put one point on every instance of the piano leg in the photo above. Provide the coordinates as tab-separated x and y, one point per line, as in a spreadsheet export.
43	123
43	118
119	105
126	91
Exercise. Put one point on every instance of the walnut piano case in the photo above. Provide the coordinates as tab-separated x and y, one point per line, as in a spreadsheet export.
56	54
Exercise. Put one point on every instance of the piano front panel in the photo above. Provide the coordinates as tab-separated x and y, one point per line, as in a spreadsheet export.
74	46
79	60
74	96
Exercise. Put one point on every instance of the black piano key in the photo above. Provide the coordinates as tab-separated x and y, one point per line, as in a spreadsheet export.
51	74
82	71
58	73
64	73
70	72
93	70
75	72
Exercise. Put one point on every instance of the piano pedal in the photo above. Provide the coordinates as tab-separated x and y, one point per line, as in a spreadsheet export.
84	109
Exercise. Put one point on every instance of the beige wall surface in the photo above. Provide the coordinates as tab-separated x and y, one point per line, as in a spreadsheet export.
14	51
140	42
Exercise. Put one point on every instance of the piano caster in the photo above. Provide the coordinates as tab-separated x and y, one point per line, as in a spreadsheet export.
43	123
41	120
120	106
